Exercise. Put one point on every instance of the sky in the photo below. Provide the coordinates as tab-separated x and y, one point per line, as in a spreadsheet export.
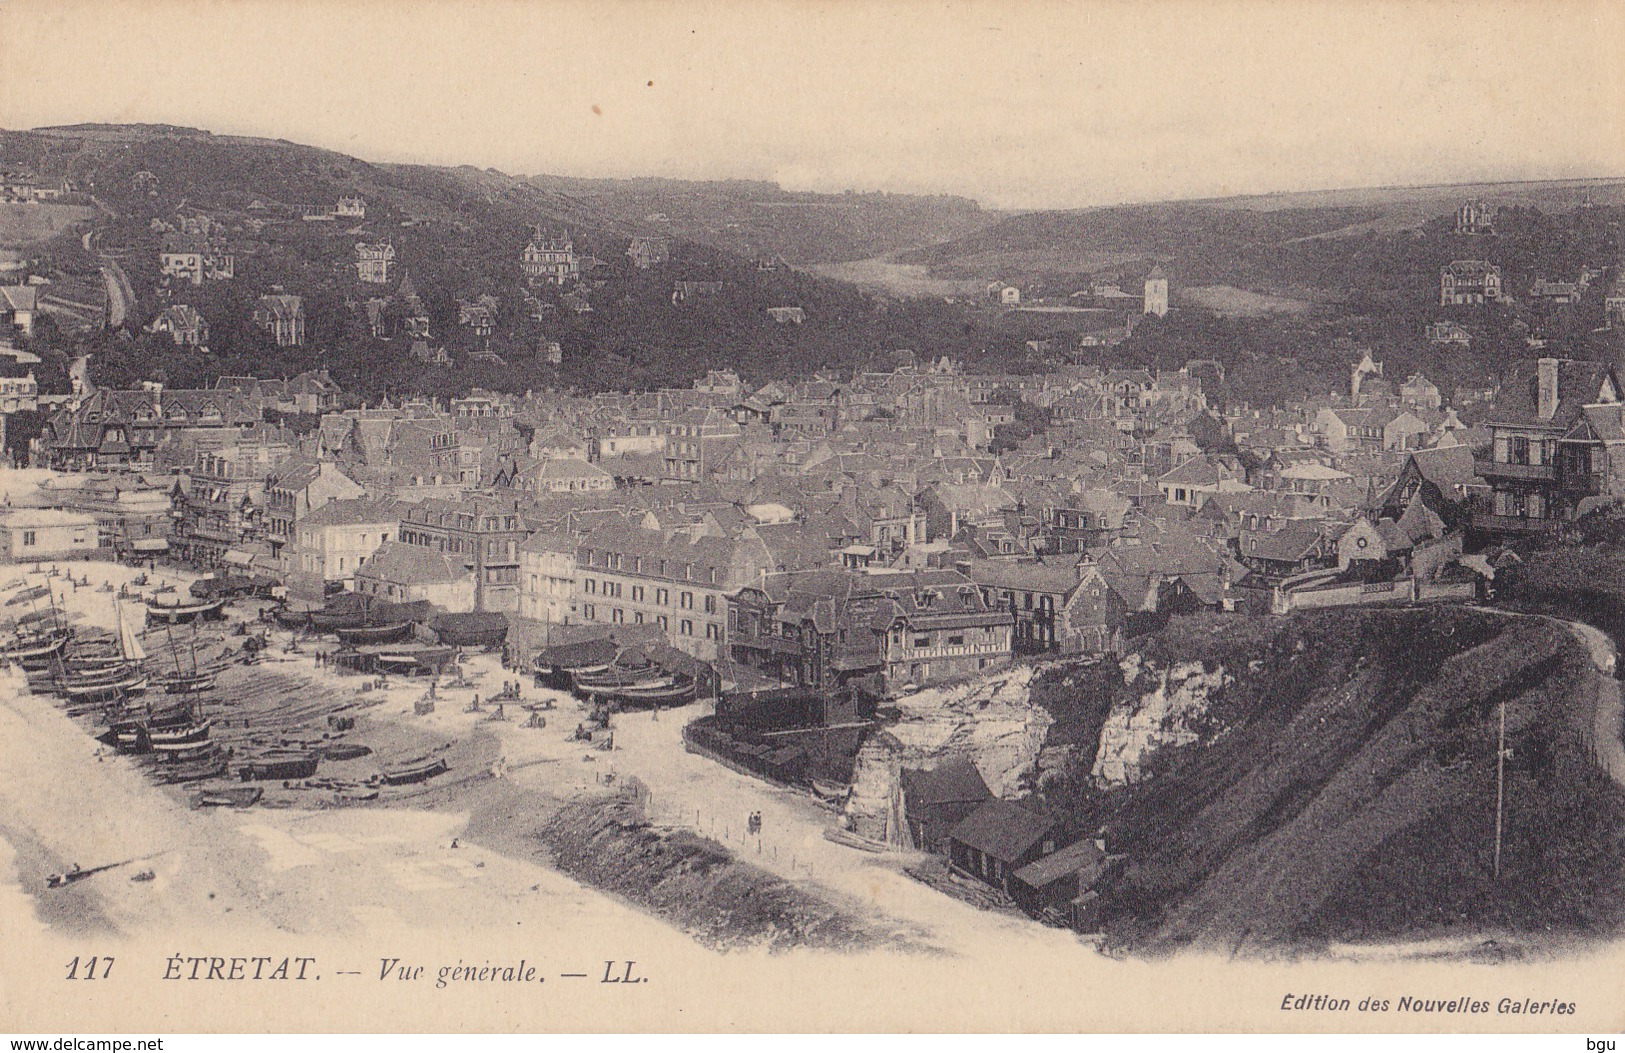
1016	104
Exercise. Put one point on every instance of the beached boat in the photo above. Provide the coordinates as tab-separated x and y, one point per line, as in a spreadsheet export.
197	765
616	674
374	634
180	612
418	771
99	664
181	736
288	619
270	766
92	677
132	683
182	682
327	621
228	797
615	688
187	683
343	751
678	693
37	650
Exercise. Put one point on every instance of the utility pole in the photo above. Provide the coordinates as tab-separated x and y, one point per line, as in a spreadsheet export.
1500	786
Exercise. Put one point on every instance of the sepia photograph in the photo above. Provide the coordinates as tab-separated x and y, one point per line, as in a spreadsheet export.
807	516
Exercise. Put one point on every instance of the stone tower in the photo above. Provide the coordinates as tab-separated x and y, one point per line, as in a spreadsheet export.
1156	292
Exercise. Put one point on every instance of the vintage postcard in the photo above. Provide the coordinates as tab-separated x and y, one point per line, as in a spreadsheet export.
811	516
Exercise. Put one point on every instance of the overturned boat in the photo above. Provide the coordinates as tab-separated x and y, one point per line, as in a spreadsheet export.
181	611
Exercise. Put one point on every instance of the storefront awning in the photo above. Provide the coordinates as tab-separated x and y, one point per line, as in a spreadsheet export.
150	544
237	557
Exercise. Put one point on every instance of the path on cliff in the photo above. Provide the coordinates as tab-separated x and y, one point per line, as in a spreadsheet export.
1608	705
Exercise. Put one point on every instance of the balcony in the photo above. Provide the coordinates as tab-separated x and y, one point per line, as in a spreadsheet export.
1535	473
1513	524
775	644
1582	482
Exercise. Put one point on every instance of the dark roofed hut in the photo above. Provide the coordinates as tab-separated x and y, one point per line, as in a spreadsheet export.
937	799
997	839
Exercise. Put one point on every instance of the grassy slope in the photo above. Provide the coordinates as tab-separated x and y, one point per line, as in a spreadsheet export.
1345	788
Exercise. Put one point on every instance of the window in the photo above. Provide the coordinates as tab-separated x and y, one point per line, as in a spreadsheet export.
637	594
686	627
713	632
637	617
617	616
922	641
28	537
687	599
591	586
589	612
710	605
662	597
665	626
956	641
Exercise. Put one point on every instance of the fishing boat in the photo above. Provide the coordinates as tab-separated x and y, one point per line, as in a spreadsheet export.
37	650
374	634
327	621
559	667
194	765
677	693
112	682
343	751
182	682
181	612
414	771
227	797
615	689
77	662
179	737
291	619
274	764
130	683
617	673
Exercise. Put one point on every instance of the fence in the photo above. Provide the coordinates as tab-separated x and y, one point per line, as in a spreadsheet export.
761	843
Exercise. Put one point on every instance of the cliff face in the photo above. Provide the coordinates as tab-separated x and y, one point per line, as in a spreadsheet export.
1166	713
1332	777
990	719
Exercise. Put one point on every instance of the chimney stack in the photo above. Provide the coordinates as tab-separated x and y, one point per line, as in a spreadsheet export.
1546	388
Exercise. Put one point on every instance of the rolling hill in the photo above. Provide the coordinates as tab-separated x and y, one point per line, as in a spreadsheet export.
459	232
1296	245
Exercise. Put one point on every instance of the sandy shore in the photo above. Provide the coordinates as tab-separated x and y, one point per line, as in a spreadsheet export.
354	886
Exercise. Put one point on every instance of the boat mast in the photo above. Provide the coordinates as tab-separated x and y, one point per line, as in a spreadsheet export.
174	648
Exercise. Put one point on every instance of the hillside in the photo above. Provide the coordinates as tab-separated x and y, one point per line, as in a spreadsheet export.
1331	777
755	219
1203	239
459	232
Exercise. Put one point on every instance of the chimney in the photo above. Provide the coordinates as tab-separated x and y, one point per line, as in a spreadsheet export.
1546	388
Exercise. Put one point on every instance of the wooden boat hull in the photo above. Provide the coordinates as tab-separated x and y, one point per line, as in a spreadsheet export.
676	695
212	766
187	685
182	613
37	653
228	797
180	737
108	692
375	634
415	774
628	687
324	622
300	766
